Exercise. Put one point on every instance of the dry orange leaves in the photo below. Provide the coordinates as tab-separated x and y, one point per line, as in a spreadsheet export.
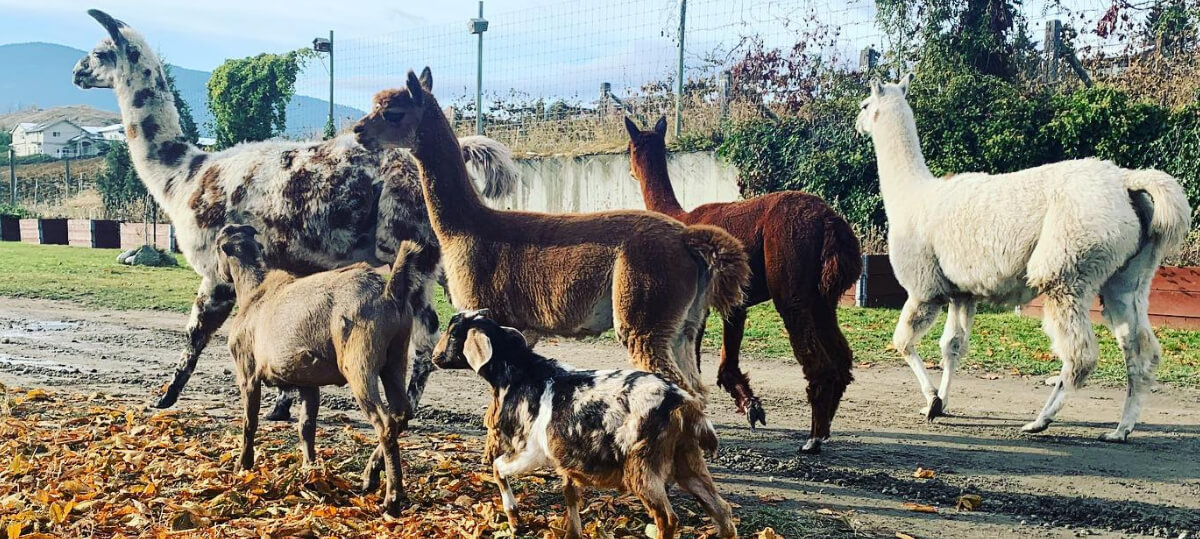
79	467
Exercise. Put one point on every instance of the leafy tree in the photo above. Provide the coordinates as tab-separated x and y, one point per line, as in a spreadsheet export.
118	183
186	121
249	96
5	142
1172	23
987	36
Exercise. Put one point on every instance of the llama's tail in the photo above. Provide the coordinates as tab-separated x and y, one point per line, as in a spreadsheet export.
490	161
414	267
1171	217
694	420
728	265
841	258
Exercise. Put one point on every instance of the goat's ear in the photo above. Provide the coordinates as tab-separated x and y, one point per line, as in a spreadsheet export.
660	126
477	347
112	25
632	128
904	82
414	89
876	88
516	336
426	79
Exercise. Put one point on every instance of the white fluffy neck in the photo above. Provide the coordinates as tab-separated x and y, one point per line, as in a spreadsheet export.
902	170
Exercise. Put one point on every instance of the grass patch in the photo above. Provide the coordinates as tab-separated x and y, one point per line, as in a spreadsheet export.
1000	342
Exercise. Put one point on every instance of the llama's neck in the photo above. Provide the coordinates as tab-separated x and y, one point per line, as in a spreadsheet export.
159	151
450	197
902	170
650	169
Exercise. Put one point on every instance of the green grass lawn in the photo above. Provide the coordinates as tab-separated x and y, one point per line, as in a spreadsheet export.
1001	341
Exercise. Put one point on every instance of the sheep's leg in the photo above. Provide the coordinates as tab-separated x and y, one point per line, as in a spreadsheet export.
730	376
572	498
310	398
1126	306
915	320
282	410
1071	337
955	340
212	306
506	496
692	474
251	398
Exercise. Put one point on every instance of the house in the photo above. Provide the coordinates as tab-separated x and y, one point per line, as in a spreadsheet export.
114	132
57	138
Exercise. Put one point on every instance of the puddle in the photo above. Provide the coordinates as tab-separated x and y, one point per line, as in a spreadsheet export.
7	360
32	330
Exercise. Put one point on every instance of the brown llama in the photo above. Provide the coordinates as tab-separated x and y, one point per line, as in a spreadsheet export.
649	277
803	256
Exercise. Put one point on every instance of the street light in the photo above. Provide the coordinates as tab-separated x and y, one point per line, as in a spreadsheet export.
478	26
321	44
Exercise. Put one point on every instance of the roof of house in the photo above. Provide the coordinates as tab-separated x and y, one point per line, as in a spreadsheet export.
113	127
30	127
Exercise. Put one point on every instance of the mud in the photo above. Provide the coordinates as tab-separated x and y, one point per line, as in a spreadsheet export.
1063	483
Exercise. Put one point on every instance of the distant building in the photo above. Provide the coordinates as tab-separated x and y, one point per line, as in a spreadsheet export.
62	138
114	132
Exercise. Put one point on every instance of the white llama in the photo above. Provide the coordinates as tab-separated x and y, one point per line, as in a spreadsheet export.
1068	230
317	205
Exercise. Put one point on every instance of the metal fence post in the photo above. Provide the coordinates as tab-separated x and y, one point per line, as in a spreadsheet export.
12	175
1053	45
679	74
868	58
725	89
478	27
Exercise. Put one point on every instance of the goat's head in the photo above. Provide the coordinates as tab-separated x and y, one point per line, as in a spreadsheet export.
120	57
883	96
646	144
471	339
236	244
396	114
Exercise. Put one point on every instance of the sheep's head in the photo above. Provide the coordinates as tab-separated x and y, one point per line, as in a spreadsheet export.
236	245
121	56
396	114
882	96
470	340
645	144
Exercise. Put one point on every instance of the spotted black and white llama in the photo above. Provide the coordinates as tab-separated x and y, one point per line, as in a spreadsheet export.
317	205
1069	230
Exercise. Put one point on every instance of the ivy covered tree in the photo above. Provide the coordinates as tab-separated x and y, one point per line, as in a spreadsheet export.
248	97
186	120
119	185
987	36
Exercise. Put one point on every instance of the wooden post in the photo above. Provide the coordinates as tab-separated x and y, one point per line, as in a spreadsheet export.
1053	49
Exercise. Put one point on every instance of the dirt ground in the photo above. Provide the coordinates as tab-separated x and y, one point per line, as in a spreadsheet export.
1063	483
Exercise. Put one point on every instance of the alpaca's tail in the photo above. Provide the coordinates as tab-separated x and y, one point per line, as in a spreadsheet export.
490	161
728	265
694	420
414	267
841	258
1171	218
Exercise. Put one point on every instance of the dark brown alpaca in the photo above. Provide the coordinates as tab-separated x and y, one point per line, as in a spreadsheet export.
803	256
649	277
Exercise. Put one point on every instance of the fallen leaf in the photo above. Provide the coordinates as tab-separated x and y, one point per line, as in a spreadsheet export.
14	529
902	535
969	502
923	473
35	395
824	511
920	508
770	498
767	533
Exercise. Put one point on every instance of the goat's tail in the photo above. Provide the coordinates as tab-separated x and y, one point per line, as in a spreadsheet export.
1171	218
490	161
728	265
697	425
415	265
841	258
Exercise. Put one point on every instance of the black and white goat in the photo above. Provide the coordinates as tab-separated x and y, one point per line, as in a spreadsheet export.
624	429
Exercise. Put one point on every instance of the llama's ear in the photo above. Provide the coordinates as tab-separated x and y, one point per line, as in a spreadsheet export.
427	79
477	348
904	82
632	128
414	89
876	88
112	25
660	126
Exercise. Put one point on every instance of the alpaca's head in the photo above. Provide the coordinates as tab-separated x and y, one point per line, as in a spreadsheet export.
884	97
118	59
397	113
646	144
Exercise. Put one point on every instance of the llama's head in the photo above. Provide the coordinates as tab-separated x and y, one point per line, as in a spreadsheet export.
645	144
120	57
396	114
471	338
237	246
883	97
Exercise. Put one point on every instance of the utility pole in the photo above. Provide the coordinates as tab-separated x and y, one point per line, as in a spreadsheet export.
478	26
67	181
679	75
332	128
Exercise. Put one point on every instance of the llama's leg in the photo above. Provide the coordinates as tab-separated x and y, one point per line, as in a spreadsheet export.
825	357
507	499
212	306
692	474
282	410
310	400
915	320
425	333
1071	337
684	349
955	340
1126	306
572	499
729	374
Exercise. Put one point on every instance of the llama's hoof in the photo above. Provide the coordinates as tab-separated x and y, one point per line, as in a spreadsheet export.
1116	437
1035	426
165	401
812	446
755	413
935	410
279	413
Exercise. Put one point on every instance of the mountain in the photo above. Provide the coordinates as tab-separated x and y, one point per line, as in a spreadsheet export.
82	115
39	75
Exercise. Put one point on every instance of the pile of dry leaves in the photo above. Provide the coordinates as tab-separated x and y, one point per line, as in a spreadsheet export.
96	467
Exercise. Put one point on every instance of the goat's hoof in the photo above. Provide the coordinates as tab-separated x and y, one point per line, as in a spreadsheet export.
935	410
755	413
1115	437
1034	427
514	521
811	447
392	506
370	482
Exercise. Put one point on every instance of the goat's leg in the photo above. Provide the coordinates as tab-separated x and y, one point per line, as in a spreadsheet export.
506	496
310	398
915	320
425	333
1071	337
251	398
572	499
393	375
692	474
652	491
729	373
282	410
1126	306
954	342
212	306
